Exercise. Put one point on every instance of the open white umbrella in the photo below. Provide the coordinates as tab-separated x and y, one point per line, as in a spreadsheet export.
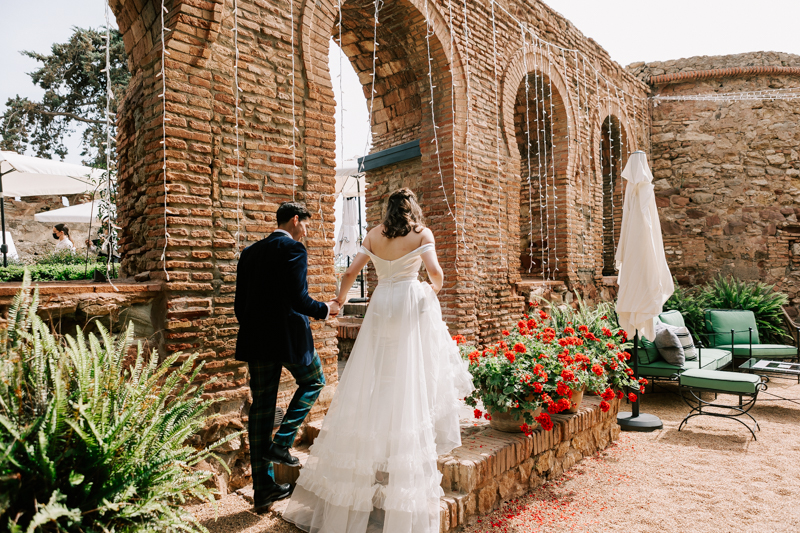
644	280
75	214
22	175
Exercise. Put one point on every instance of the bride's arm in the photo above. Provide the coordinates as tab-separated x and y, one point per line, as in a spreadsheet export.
435	273
350	275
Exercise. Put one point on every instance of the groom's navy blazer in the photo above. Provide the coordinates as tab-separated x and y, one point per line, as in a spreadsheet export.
272	302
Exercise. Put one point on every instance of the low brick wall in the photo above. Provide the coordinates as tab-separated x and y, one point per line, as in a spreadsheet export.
492	467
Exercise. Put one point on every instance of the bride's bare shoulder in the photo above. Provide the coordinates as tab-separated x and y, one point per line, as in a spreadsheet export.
427	237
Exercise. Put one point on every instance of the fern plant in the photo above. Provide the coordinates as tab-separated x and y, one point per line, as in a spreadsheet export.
755	296
732	293
91	441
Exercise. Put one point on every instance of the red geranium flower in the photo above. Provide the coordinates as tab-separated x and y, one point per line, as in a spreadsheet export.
608	394
520	324
537	387
567	375
531	323
643	382
506	332
519	348
562	389
597	369
632	397
510	356
591	336
605	406
607	332
620	394
487	416
604	317
545	421
564	403
569	331
543	315
526	430
477	413
583	329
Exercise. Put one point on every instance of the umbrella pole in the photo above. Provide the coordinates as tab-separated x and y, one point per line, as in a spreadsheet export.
4	246
636	421
360	238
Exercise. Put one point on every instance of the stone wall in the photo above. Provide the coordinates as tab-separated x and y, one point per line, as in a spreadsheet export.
32	238
727	174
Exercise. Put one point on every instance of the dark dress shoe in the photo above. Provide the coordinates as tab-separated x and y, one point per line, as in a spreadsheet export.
279	454
264	500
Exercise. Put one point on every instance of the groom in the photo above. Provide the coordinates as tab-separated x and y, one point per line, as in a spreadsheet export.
272	305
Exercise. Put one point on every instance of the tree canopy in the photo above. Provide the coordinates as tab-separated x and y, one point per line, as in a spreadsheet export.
74	81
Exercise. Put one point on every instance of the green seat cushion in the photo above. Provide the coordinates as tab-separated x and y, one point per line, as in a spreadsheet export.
673	318
717	380
720	322
762	351
713	359
648	353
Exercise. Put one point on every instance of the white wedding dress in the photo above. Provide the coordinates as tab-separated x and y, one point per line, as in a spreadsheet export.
373	466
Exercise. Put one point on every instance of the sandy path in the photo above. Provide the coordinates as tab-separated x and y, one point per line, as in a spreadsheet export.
712	476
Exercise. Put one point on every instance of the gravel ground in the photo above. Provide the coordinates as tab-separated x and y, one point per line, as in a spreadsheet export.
712	476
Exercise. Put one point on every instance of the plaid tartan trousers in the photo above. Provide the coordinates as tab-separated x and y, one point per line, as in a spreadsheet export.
265	377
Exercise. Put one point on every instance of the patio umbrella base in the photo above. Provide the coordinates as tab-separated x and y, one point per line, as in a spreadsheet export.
640	422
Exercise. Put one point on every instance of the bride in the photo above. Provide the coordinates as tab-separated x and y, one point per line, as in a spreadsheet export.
373	466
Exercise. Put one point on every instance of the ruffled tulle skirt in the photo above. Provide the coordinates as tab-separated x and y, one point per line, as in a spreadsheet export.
373	466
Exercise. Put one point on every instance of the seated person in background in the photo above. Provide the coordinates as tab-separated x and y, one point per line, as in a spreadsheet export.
61	234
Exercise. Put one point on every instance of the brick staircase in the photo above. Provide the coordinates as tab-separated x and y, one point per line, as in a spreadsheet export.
492	467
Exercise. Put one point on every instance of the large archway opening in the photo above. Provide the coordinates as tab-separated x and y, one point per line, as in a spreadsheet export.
613	157
540	124
405	76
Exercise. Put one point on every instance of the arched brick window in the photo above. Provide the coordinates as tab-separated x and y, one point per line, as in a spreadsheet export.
543	178
613	157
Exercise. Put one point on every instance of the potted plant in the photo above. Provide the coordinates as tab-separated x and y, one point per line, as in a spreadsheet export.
543	366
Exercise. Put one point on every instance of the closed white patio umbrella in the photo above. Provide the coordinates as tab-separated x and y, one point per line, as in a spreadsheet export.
348	238
22	175
644	279
75	214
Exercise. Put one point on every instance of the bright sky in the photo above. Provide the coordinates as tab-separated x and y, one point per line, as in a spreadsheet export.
630	30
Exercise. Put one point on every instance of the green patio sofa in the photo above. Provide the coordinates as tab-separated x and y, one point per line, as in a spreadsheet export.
653	366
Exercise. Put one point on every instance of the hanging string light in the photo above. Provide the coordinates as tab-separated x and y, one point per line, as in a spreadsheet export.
602	187
467	182
164	120
497	141
528	146
428	33
378	6
612	175
579	140
236	90
110	210
567	197
539	124
788	93
553	157
294	114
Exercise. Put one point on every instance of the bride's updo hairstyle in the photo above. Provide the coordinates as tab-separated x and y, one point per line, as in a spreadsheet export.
403	214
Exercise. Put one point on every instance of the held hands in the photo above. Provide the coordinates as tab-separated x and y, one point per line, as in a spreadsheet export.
334	308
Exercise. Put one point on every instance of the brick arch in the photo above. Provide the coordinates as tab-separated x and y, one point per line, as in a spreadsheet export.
606	226
402	107
549	237
513	78
322	18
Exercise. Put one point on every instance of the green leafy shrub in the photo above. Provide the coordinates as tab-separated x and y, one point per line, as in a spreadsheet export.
755	296
732	293
692	304
53	272
64	257
91	441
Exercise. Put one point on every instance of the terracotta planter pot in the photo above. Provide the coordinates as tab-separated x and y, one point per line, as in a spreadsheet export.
504	421
577	398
